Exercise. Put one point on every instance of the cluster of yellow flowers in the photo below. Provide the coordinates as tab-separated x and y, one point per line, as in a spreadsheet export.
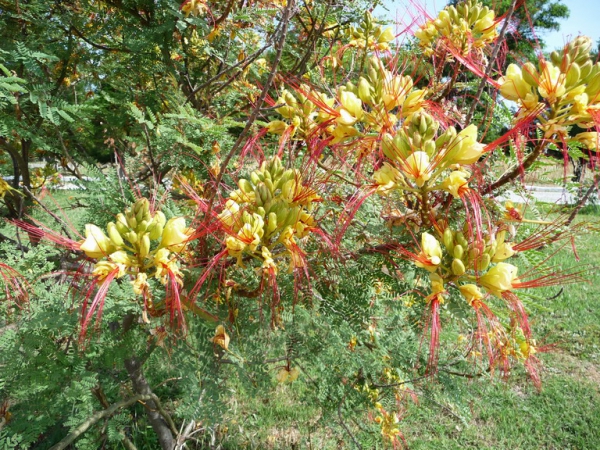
270	208
370	35
562	91
466	27
379	101
44	177
468	262
419	162
140	244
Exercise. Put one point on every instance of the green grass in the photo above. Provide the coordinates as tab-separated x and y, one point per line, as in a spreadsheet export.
513	414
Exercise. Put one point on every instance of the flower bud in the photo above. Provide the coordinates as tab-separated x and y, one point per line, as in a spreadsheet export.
448	239
144	245
458	267
484	262
272	222
458	251
155	230
364	91
114	235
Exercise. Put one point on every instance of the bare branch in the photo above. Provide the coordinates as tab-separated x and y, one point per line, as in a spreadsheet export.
64	443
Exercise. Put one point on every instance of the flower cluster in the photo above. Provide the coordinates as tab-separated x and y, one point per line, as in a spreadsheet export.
561	92
272	208
466	27
379	101
420	161
140	243
370	35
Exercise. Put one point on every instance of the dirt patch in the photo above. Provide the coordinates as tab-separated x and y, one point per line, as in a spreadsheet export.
578	369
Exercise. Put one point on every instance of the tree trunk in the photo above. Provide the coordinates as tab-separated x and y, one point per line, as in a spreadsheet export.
140	386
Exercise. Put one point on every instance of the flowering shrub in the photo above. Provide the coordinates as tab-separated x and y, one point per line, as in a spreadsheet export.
363	200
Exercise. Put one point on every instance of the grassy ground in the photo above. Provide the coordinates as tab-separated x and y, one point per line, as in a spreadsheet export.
512	414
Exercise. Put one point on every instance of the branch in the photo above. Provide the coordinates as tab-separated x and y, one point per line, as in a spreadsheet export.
490	65
580	205
98	46
225	13
99	416
62	224
161	422
339	410
519	168
287	14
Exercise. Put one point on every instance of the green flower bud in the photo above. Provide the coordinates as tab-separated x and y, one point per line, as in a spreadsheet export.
114	235
458	267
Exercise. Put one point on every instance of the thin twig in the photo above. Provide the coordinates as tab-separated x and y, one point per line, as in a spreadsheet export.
583	200
279	49
61	222
491	62
514	172
339	410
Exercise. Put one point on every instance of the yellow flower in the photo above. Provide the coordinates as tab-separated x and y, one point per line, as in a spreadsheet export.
588	138
277	126
512	85
342	132
268	262
230	213
163	262
417	167
504	251
140	285
470	292
395	90
456	182
552	82
103	268
96	244
499	279
175	234
120	257
432	251
437	284
386	178
414	102
4	188
351	110
465	149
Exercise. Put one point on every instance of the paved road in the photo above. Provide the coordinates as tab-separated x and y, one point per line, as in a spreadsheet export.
547	194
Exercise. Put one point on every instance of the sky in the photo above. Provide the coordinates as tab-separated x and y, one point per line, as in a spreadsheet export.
583	19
